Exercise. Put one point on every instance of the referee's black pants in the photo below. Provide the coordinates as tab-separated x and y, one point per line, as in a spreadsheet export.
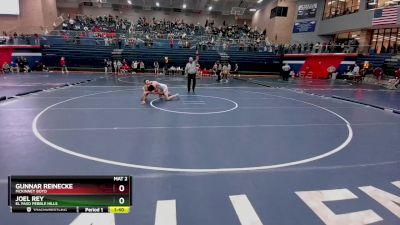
190	78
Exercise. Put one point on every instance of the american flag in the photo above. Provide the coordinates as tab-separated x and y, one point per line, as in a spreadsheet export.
385	16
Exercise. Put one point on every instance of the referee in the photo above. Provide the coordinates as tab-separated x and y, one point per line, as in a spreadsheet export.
190	71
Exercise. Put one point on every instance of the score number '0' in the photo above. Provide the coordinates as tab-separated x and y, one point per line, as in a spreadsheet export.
121	200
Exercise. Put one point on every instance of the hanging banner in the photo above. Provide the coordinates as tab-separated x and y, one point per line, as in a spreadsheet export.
307	11
303	27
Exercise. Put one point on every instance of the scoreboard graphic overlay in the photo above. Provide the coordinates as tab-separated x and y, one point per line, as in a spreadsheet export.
70	194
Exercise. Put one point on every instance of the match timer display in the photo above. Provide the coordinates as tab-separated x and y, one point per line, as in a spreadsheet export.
78	194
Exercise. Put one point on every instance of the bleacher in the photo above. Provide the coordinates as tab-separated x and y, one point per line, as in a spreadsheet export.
255	61
91	54
374	59
82	56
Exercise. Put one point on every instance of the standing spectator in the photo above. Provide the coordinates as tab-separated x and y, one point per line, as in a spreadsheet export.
142	68
119	65
105	66
356	44
219	70
324	47
357	76
166	62
215	69
305	47
119	43
135	66
190	71
63	65
15	38
171	42
330	46
109	66
236	71
20	64
317	46
115	66
225	72
299	48
311	47
37	39
156	67
285	72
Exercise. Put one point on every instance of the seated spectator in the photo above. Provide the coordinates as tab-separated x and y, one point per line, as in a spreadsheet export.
348	70
205	72
125	68
172	69
397	73
179	70
27	69
292	74
39	67
394	83
14	67
6	68
378	73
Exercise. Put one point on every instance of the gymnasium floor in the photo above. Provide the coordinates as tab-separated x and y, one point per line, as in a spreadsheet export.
235	153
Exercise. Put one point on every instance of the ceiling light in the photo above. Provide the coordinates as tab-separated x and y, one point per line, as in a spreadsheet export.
210	8
129	2
157	4
259	1
184	6
253	10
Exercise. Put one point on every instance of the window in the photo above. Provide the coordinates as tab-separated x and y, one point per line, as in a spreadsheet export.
334	8
373	4
279	12
386	40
